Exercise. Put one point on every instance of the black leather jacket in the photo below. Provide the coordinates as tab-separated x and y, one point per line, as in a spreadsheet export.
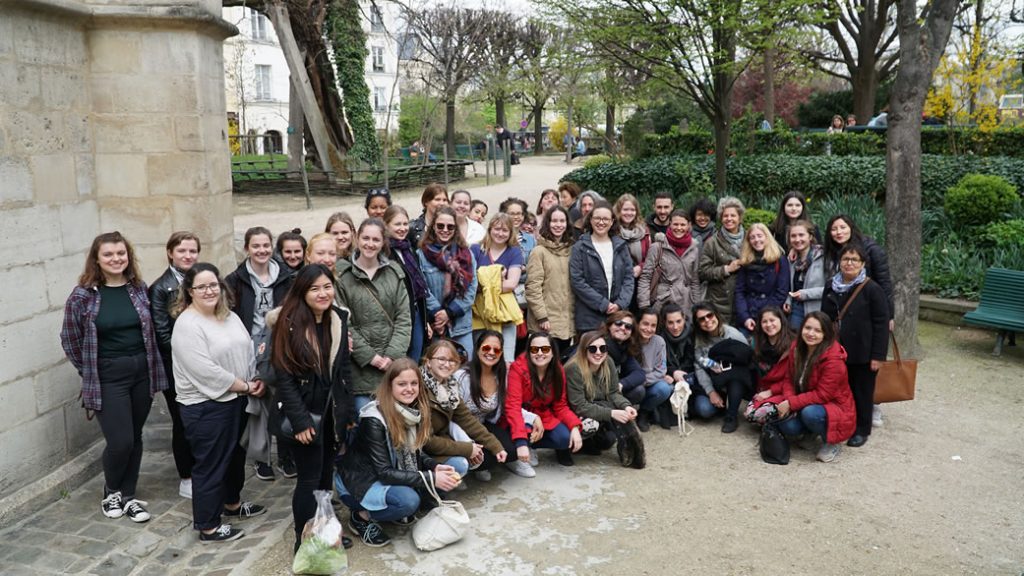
162	293
240	284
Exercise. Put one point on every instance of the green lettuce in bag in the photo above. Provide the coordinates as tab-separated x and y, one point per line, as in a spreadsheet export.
321	552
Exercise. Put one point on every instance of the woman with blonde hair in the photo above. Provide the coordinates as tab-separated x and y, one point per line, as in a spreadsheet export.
763	279
343	229
380	473
322	249
501	246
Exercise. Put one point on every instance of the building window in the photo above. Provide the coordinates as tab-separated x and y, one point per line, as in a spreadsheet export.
376	19
380	99
378	58
263	82
259	25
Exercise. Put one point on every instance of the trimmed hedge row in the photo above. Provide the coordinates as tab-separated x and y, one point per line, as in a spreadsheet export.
942	141
771	176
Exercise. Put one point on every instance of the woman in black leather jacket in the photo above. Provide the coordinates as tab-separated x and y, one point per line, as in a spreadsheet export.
381	478
310	358
182	252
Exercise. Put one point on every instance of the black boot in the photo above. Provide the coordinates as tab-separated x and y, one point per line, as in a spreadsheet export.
643	421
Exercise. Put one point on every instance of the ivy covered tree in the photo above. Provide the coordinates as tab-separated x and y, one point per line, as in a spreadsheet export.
348	40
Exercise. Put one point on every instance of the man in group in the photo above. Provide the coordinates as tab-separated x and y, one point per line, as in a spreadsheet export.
663	206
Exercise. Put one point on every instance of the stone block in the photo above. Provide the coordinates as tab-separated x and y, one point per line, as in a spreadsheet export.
17	403
141	220
25	237
81	432
16	177
114	51
30	345
7	34
56	387
121	175
114	133
31	133
180	174
169	52
62	88
24	296
31	450
79	131
19	85
153	257
79	224
38	39
62	276
189	132
85	175
54	178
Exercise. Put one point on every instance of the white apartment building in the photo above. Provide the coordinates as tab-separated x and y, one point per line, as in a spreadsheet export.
256	77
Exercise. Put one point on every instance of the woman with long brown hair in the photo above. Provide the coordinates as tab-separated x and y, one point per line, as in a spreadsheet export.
449	271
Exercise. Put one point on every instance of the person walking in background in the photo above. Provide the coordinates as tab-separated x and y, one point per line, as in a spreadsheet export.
108	337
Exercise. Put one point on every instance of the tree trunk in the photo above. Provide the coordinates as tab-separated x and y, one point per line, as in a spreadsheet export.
449	126
297	122
499	111
538	133
610	138
769	86
568	130
721	153
864	82
921	46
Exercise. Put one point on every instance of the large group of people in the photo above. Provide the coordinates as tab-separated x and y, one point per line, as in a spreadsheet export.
398	352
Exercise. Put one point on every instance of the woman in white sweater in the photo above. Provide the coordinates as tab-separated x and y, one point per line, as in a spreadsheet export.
214	365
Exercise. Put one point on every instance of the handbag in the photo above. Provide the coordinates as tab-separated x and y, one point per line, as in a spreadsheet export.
288	430
443	525
774	446
896	379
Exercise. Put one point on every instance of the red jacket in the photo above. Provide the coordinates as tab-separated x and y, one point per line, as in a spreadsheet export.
828	386
551	411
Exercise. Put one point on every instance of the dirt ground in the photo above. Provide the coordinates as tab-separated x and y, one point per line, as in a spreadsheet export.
937	490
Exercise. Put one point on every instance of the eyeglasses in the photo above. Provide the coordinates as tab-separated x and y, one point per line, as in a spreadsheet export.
211	287
601	219
623	324
444	227
540	349
851	260
595	349
444	361
705	317
488	349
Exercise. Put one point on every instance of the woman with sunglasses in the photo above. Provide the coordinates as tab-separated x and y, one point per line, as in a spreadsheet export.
601	270
724	386
449	271
309	353
624	350
592	385
549	296
437	371
536	385
372	288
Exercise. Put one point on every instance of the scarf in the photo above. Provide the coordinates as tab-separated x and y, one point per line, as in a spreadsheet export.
446	393
758	264
802	264
679	245
702	233
735	239
638	231
404	250
407	453
456	263
840	287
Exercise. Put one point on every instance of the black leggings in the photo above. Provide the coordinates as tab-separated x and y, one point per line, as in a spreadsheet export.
124	391
503	436
735	387
315	466
862	384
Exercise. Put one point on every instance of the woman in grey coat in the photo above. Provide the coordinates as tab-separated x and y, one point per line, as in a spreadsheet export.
676	255
601	270
806	273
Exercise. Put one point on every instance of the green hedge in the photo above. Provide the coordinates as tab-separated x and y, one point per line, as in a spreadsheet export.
941	141
771	176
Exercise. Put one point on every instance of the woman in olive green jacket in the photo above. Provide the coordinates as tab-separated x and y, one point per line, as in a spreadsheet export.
373	289
720	258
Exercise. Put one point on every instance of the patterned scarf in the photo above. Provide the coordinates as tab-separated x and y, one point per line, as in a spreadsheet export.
412	269
802	264
736	240
840	287
445	393
407	453
457	263
679	245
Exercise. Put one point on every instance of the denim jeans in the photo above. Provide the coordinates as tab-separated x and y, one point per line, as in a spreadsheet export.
401	501
419	334
796	314
655	395
556	438
701	407
813	418
360	400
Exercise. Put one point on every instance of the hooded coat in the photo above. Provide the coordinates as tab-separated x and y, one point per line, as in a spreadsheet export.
549	294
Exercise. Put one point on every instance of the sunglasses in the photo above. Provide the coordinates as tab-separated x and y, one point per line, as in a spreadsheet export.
378	192
595	349
705	317
444	227
540	349
488	349
623	324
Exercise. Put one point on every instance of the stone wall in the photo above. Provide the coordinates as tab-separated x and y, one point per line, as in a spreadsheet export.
112	117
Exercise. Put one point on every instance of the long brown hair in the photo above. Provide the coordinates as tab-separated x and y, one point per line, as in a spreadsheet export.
582	363
553	384
763	349
803	359
386	405
92	276
295	348
430	236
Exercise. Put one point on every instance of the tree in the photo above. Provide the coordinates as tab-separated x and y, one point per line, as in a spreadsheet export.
922	42
500	57
348	41
539	72
450	44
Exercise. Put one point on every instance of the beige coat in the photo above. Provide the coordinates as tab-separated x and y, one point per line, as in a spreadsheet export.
679	282
548	292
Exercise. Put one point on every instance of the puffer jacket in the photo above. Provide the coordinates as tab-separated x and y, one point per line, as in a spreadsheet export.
549	293
380	321
827	386
716	253
759	286
590	285
679	282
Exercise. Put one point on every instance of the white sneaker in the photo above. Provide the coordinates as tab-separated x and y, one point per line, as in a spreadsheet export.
185	488
520	468
112	505
828	452
876	417
135	512
534	461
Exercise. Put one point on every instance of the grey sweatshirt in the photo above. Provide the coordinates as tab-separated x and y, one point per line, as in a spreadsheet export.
208	354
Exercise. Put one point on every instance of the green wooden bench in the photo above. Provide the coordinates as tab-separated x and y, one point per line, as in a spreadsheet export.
1001	306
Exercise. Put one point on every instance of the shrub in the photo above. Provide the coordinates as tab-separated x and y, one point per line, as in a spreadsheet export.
978	199
954	267
1008	233
597	160
757	215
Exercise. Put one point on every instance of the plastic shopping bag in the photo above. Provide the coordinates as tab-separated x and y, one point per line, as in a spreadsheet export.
321	551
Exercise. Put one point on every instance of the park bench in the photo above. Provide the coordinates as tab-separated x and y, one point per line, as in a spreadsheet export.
1001	306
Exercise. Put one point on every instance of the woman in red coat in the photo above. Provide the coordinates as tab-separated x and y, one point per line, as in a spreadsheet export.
811	383
536	382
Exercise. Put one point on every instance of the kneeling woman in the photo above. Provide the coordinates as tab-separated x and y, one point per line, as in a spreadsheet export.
311	358
593	386
381	479
811	383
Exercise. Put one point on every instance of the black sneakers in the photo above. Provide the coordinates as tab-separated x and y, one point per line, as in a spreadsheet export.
265	471
112	505
287	468
246	510
225	533
135	512
368	531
